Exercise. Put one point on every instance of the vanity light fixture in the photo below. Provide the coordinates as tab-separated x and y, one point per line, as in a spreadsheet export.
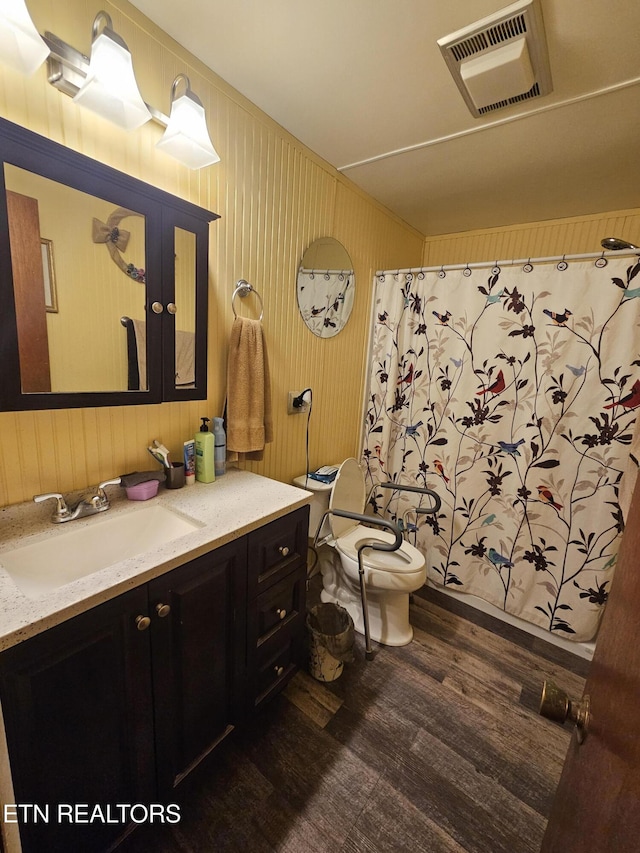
187	137
106	84
110	87
21	47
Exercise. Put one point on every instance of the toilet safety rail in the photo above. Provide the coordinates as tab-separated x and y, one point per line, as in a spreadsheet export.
375	545
420	510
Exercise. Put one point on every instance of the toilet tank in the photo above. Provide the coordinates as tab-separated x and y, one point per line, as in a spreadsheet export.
320	501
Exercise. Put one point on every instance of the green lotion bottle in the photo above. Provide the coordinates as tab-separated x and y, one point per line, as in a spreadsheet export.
205	450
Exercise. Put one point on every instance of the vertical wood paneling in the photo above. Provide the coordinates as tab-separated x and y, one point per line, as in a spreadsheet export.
533	240
275	197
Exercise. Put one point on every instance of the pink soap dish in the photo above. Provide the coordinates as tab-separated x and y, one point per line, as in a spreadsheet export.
143	491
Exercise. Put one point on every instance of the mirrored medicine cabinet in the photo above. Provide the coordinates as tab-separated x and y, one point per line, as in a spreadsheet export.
103	282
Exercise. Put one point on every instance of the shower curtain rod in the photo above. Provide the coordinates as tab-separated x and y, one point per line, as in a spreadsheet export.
512	262
320	271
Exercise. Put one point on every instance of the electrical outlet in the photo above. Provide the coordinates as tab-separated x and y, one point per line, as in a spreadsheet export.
291	409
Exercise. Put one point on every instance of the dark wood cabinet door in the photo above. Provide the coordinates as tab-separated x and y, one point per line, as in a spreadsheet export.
77	708
597	804
198	628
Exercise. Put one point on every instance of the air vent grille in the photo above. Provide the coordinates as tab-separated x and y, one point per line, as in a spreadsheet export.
490	38
469	47
533	92
507	30
522	19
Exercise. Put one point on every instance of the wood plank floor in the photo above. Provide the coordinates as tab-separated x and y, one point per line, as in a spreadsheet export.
434	747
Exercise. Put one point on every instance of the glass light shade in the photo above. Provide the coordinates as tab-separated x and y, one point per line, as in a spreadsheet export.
20	45
110	89
186	137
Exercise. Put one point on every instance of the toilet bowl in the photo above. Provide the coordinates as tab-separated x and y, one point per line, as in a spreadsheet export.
390	576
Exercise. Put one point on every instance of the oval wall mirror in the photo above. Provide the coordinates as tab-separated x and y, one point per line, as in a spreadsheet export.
325	287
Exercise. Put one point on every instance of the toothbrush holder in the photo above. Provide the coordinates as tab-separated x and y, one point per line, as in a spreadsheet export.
175	475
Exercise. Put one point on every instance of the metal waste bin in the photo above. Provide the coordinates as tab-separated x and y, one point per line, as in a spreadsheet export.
331	638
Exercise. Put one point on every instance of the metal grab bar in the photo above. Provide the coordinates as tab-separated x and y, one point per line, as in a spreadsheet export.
418	489
375	545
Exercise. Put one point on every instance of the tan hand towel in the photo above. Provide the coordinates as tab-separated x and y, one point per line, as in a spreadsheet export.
249	421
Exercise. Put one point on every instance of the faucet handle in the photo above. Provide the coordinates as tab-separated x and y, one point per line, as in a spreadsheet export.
61	511
100	498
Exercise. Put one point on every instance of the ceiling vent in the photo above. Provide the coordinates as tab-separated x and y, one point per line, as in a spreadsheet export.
500	60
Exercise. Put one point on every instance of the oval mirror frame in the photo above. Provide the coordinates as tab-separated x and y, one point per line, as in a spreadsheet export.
325	287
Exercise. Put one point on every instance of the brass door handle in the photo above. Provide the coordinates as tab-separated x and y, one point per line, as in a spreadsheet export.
279	670
281	612
284	550
163	610
556	705
142	623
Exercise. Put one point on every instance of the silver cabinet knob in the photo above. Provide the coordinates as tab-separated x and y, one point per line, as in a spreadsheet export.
281	612
157	307
163	610
284	550
142	623
172	308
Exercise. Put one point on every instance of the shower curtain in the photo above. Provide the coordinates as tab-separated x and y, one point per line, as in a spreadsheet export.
513	394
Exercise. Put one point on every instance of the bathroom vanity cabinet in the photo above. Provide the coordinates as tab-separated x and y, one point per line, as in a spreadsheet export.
117	704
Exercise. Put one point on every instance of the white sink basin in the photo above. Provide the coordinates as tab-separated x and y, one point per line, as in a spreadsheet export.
43	566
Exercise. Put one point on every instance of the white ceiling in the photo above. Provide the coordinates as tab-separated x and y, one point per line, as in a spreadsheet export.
362	79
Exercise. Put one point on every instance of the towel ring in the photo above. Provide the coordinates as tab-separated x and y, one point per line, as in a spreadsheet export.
243	288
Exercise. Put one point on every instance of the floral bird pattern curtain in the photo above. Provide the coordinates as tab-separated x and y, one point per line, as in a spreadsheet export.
513	393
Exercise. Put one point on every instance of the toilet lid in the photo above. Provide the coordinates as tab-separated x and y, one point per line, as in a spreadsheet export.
348	494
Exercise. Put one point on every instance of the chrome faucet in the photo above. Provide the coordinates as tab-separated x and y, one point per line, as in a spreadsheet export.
99	502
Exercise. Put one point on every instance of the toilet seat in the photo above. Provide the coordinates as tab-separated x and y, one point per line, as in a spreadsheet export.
405	560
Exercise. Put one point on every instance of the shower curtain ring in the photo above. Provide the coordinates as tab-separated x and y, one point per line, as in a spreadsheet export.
495	270
602	261
442	273
528	267
562	266
467	271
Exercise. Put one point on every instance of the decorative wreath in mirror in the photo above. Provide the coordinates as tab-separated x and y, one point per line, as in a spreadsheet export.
116	240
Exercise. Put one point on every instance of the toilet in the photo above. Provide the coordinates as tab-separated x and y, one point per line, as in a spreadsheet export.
390	576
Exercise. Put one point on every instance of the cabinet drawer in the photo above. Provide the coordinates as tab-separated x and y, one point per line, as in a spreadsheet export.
278	660
276	550
280	605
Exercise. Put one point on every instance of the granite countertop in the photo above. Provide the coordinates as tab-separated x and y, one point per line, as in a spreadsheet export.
224	510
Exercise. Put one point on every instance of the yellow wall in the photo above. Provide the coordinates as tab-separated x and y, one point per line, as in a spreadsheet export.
275	197
577	235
